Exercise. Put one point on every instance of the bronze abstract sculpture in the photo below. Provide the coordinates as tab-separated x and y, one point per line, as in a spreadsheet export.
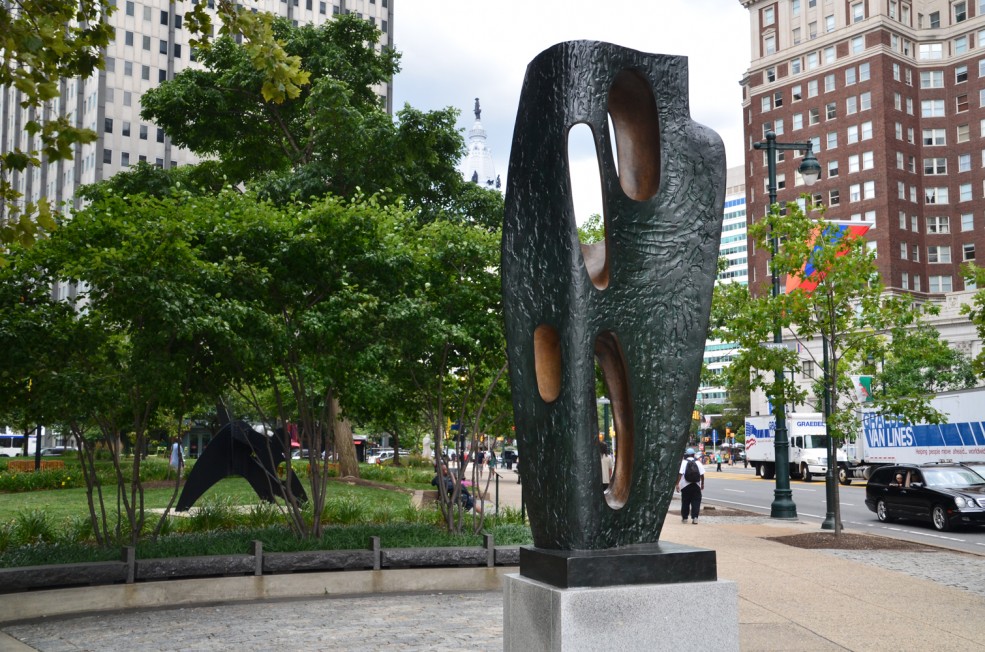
637	303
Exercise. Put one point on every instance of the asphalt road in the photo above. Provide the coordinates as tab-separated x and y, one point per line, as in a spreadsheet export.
739	487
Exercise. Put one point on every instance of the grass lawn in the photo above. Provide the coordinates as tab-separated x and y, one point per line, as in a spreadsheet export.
62	504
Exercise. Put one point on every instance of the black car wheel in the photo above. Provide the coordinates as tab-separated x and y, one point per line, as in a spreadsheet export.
806	474
939	517
882	512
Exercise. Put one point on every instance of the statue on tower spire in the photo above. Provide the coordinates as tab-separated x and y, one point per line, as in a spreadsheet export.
478	111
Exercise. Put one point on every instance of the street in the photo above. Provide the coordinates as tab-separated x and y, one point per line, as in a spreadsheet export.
739	487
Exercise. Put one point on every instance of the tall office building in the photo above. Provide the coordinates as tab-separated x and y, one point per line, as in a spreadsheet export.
151	45
732	248
891	93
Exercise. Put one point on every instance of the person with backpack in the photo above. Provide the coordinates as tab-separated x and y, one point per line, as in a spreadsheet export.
692	475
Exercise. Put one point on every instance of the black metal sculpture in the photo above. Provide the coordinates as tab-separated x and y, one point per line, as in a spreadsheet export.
238	449
638	302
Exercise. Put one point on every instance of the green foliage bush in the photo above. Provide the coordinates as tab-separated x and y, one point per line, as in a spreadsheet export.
408	475
18	481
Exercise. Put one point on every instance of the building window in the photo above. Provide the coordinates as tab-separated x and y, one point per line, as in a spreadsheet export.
931	108
867	130
812	60
768	17
108	125
961	103
812	30
932	79
831	111
858	12
849	76
108	155
964	162
125	159
814	116
961	45
858	44
832	169
939	225
852	134
899	131
829	54
851	105
145	72
778	99
798	121
832	140
960	12
934	137
160	135
163	46
126	128
869	190
143	132
812	88
833	198
863	72
855	192
902	251
829	23
899	160
939	283
936	195
963	133
807	368
795	36
865	101
933	166
769	43
964	192
960	74
128	38
931	51
968	252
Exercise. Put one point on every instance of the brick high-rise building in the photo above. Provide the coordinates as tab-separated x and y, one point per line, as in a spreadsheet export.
892	95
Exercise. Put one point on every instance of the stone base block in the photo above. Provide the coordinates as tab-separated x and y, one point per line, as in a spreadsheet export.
646	617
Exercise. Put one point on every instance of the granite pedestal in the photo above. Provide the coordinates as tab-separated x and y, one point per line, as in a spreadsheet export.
591	600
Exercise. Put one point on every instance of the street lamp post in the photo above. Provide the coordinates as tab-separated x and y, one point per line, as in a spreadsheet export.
783	505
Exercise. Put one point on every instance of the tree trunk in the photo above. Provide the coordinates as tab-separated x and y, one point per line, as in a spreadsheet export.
344	446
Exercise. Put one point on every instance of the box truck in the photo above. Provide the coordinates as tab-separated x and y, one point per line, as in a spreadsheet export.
808	446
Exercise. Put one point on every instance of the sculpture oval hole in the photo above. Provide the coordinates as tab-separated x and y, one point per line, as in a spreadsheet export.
636	122
547	362
609	357
585	180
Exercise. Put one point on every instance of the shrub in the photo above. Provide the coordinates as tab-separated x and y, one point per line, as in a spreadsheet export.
78	528
213	513
33	526
344	510
67	478
263	515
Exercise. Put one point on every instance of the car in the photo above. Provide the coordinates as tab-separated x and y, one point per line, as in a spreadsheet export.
387	456
57	450
946	495
977	467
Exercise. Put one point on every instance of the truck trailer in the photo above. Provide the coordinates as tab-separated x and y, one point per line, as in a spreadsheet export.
808	446
888	440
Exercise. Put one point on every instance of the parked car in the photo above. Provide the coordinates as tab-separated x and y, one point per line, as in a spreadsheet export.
946	495
57	450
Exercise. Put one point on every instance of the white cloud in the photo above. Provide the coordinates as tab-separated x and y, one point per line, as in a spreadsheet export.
457	50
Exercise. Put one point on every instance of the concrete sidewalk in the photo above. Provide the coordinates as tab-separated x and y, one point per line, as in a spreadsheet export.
789	599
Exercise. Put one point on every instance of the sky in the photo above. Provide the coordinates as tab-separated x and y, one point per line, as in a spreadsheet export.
456	50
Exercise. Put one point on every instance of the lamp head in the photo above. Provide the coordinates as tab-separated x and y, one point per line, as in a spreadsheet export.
809	168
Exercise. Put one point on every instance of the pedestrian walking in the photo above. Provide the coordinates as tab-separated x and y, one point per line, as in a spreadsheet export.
177	457
718	461
690	482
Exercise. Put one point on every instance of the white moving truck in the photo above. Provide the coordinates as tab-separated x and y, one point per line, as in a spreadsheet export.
886	440
808	446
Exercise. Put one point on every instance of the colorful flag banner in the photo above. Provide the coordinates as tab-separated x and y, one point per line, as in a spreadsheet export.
811	275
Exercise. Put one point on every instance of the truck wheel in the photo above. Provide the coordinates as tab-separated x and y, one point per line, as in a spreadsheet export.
843	476
806	474
767	472
939	516
882	512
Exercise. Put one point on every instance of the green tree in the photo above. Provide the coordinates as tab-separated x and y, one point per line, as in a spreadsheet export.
847	310
47	41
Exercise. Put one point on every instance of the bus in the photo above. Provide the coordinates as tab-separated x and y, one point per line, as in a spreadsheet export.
12	445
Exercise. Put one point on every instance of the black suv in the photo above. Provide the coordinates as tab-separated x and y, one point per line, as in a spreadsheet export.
944	494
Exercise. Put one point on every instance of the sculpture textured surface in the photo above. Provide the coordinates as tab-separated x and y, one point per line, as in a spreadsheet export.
636	303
